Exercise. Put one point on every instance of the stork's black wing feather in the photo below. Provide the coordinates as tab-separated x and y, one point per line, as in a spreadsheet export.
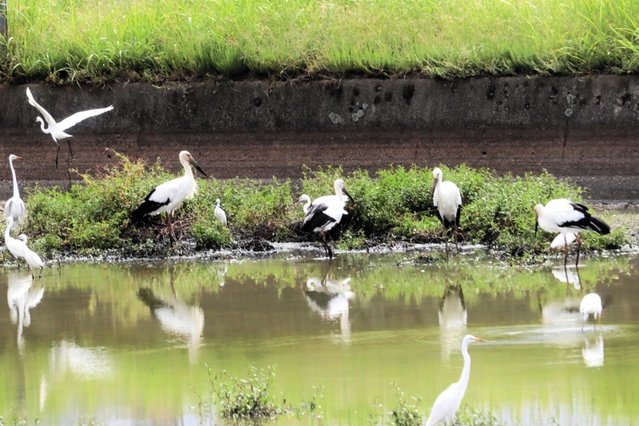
581	208
316	218
147	207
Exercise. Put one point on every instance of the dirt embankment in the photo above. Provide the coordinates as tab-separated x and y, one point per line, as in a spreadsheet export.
584	128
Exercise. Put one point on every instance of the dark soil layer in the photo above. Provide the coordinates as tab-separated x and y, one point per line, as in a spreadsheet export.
584	128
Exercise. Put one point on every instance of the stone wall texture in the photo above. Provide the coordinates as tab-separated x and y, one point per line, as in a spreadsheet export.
585	128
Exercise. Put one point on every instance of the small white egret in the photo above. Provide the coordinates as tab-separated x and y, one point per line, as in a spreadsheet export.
57	130
32	258
219	213
448	402
563	241
326	212
15	246
304	199
447	199
591	304
14	208
168	196
563	216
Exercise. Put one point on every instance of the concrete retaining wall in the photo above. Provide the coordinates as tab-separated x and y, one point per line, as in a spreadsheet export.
579	127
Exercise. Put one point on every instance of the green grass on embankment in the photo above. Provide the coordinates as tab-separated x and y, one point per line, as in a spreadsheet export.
393	205
99	41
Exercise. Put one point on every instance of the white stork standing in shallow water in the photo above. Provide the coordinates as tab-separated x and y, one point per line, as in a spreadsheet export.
326	212
447	199
14	208
57	130
564	216
168	196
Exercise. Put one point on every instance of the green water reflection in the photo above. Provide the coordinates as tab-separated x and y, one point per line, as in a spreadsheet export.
129	343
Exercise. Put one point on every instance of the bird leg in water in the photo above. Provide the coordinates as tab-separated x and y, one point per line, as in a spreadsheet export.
578	247
327	248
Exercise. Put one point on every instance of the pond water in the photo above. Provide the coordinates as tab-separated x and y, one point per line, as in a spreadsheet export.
130	343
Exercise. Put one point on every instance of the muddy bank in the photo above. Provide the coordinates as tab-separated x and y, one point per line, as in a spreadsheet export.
583	128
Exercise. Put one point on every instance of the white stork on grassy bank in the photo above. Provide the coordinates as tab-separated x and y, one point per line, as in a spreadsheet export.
14	208
564	216
326	212
57	130
168	196
447	199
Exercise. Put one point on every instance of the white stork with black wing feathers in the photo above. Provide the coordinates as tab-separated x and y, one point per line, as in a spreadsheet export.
326	212
168	196
564	216
447	199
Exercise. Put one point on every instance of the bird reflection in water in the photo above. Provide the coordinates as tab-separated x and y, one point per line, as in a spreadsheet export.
452	320
176	317
22	296
593	354
329	298
568	275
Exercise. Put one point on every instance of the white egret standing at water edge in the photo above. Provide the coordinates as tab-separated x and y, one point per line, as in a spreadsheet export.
32	258
448	402
447	199
168	196
14	207
15	246
219	213
57	130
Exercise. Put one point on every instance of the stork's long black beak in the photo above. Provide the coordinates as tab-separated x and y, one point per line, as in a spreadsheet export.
349	195
536	226
197	166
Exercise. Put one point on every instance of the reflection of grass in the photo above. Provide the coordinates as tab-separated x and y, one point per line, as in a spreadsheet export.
394	205
102	41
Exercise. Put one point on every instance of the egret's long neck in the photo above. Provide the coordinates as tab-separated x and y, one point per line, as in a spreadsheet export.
307	205
7	233
44	130
16	192
465	376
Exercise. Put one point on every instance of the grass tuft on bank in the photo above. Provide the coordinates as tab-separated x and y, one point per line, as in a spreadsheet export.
394	205
102	41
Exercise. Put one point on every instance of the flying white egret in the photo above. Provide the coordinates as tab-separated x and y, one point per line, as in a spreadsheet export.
32	258
447	199
168	196
448	402
590	304
14	208
15	246
326	212
564	216
219	213
304	199
57	130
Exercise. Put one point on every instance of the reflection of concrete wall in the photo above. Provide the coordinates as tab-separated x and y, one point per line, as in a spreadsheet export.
569	126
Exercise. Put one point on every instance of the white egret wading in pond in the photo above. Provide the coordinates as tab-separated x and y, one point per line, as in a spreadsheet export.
15	246
57	130
326	212
32	258
564	216
591	304
168	196
447	199
14	208
219	213
448	402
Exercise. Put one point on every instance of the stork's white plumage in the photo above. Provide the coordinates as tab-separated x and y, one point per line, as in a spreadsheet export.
448	402
564	216
32	258
14	207
326	212
447	199
591	304
57	130
219	213
15	246
168	196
